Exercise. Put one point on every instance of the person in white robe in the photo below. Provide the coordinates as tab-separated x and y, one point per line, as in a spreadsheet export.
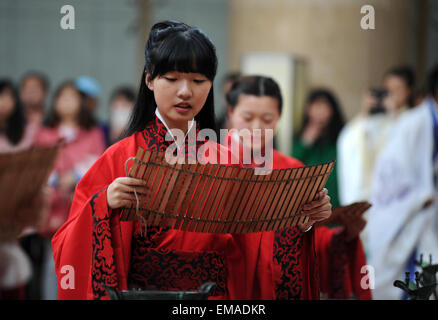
403	217
359	143
363	138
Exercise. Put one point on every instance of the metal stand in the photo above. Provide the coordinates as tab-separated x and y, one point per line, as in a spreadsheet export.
425	282
203	293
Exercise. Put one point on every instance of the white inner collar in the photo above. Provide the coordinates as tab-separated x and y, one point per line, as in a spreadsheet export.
159	116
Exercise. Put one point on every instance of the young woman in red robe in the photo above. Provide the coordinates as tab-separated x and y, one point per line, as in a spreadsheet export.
316	261
94	249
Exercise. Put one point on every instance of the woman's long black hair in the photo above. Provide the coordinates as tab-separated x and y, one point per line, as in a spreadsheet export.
174	46
336	123
16	122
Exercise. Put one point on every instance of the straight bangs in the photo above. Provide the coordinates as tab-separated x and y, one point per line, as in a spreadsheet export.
174	46
186	52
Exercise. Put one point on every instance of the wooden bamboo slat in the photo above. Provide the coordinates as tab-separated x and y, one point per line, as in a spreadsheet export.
286	198
181	193
298	202
209	213
167	220
267	197
228	202
282	190
204	199
245	204
197	205
255	208
220	198
314	188
191	193
235	212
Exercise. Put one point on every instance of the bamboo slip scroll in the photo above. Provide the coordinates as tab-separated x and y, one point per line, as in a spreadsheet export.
22	176
213	198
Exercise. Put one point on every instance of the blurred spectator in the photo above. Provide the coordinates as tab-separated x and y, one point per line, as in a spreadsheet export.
15	135
420	95
90	92
433	87
15	271
121	104
315	143
402	222
363	138
84	143
34	88
15	132
230	77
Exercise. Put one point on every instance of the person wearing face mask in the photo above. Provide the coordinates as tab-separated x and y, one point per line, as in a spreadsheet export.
121	104
364	137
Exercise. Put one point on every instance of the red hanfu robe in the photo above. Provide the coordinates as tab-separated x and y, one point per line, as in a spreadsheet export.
316	262
340	265
291	252
94	248
336	263
294	252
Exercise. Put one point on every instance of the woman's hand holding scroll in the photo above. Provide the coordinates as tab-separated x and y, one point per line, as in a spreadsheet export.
318	210
120	192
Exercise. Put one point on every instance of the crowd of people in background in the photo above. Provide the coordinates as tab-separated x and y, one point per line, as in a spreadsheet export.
30	118
386	155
